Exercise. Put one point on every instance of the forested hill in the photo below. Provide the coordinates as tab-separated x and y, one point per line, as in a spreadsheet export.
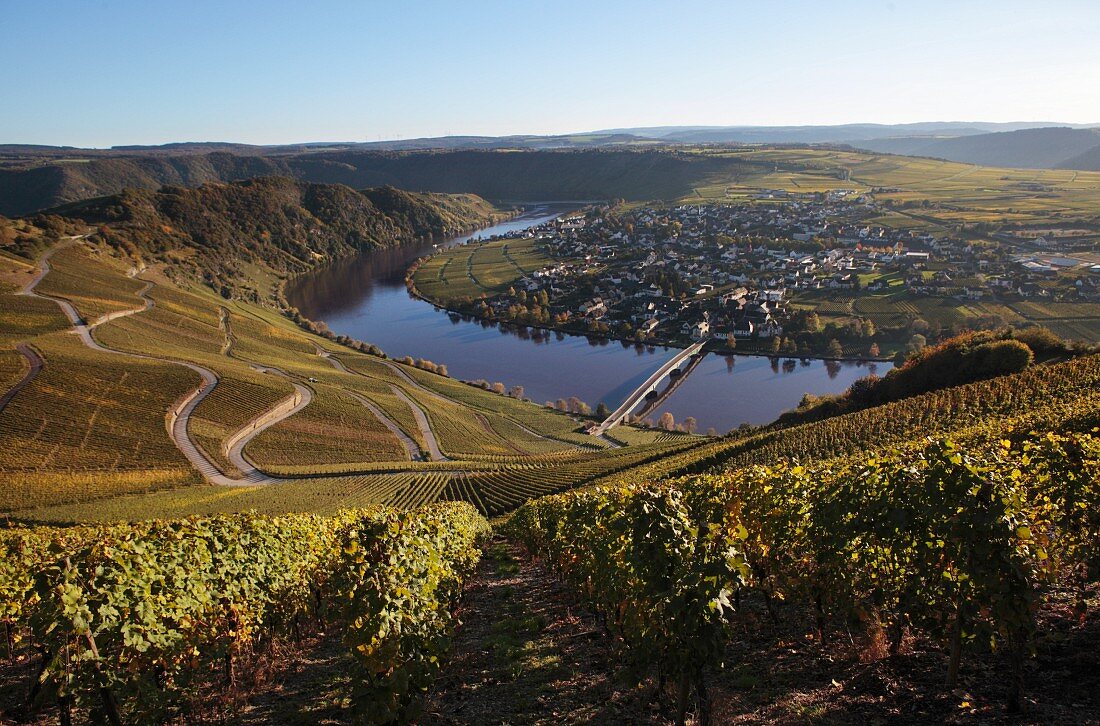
223	233
512	176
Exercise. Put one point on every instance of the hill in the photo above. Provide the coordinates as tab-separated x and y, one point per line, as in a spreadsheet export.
216	232
1044	148
529	176
818	134
1086	161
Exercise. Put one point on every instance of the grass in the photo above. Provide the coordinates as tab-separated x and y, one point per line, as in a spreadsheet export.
475	269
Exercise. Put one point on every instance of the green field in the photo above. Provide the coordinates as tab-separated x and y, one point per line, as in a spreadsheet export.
472	270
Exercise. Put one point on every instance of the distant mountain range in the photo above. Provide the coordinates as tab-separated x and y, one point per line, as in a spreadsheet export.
1042	148
836	134
632	163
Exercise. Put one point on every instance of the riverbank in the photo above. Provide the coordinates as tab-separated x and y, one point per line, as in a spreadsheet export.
651	343
366	298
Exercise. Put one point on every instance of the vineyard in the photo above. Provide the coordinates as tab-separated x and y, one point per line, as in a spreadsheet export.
956	545
334	428
83	431
473	269
1063	395
96	289
139	623
91	411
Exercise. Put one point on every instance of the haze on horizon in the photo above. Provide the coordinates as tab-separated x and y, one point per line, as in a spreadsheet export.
126	72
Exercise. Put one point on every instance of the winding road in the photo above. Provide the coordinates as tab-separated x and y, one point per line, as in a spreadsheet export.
418	413
180	415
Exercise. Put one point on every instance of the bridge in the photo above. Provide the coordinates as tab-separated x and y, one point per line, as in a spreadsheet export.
652	404
649	385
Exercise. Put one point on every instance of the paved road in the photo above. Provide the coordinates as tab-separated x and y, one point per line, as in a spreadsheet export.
180	415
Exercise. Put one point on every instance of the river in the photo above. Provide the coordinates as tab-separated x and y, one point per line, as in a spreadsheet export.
365	297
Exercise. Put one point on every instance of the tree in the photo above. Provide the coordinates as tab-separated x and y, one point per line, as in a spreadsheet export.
874	351
602	411
667	422
690	424
561	405
834	349
775	344
498	387
813	323
917	343
516	392
731	341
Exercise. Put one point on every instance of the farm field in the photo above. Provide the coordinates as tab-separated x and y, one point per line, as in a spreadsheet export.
476	269
957	192
1070	321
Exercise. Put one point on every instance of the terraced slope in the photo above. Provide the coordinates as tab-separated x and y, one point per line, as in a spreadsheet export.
164	386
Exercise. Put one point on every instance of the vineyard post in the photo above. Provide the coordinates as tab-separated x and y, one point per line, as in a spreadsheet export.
703	717
682	697
36	685
65	709
956	645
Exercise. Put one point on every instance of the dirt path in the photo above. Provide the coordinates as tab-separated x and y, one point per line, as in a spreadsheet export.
416	384
526	653
411	447
34	366
425	428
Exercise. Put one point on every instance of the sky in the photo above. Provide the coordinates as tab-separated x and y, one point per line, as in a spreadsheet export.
98	73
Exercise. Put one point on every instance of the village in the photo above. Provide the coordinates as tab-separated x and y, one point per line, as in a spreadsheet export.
755	275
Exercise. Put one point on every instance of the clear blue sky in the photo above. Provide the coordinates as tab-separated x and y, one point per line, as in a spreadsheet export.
103	72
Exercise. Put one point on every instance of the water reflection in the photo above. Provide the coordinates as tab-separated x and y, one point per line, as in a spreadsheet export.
365	297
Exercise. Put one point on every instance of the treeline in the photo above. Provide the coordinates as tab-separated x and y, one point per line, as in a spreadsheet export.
959	360
321	328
